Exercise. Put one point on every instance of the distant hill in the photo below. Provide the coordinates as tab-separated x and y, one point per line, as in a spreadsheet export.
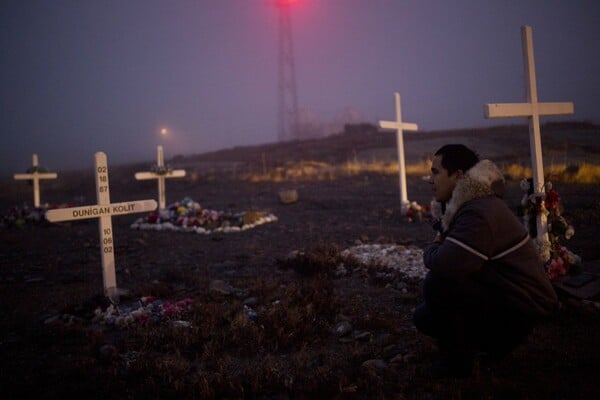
563	142
568	142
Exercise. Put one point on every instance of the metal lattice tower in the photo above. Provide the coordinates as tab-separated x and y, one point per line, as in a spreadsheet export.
287	117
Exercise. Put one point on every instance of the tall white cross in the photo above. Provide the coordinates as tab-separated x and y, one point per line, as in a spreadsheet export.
35	175
160	173
399	126
104	210
532	109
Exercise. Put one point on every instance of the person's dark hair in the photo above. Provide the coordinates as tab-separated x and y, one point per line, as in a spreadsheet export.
457	156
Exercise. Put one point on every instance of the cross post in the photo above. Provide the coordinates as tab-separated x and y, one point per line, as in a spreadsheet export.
104	211
399	126
160	173
532	109
35	175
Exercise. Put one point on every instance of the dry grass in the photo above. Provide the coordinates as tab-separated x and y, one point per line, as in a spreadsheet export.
225	353
217	356
321	259
582	173
316	170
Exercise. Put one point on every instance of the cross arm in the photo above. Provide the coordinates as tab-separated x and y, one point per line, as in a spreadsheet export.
395	125
177	173
510	110
96	211
146	175
40	175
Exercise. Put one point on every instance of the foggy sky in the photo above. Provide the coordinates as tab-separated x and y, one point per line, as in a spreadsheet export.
79	77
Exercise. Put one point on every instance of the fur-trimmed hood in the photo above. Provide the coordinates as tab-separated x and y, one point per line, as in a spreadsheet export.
481	180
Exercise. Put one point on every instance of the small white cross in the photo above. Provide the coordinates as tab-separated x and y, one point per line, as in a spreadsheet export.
104	210
399	126
35	176
532	109
161	173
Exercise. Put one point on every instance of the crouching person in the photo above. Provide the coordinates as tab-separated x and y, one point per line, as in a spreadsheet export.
486	285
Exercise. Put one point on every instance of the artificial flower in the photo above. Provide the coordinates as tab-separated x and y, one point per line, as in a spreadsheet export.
558	260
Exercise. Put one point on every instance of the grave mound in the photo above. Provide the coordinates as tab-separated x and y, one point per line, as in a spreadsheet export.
189	216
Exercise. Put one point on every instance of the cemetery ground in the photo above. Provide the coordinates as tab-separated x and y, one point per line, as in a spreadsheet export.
268	313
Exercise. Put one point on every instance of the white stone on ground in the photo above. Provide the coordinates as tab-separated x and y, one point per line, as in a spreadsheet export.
408	261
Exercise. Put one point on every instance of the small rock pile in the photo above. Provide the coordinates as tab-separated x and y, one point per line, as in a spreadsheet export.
406	261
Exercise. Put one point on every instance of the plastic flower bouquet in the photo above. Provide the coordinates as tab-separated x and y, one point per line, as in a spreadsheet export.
414	212
558	259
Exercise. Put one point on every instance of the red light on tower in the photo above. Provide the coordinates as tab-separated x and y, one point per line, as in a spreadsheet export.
284	3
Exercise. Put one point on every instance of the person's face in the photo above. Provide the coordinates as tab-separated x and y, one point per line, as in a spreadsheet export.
441	183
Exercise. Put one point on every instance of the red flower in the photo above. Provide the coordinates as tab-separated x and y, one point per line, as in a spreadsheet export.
552	199
148	299
556	268
561	250
183	304
144	319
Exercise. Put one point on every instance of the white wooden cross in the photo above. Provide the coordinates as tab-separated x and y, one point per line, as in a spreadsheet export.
161	173
399	126
35	175
104	210
532	109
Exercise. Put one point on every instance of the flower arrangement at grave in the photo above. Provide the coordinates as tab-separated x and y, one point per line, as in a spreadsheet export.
20	216
147	311
189	216
414	212
558	259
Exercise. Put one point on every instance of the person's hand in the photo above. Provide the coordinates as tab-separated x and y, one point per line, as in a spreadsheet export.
439	238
